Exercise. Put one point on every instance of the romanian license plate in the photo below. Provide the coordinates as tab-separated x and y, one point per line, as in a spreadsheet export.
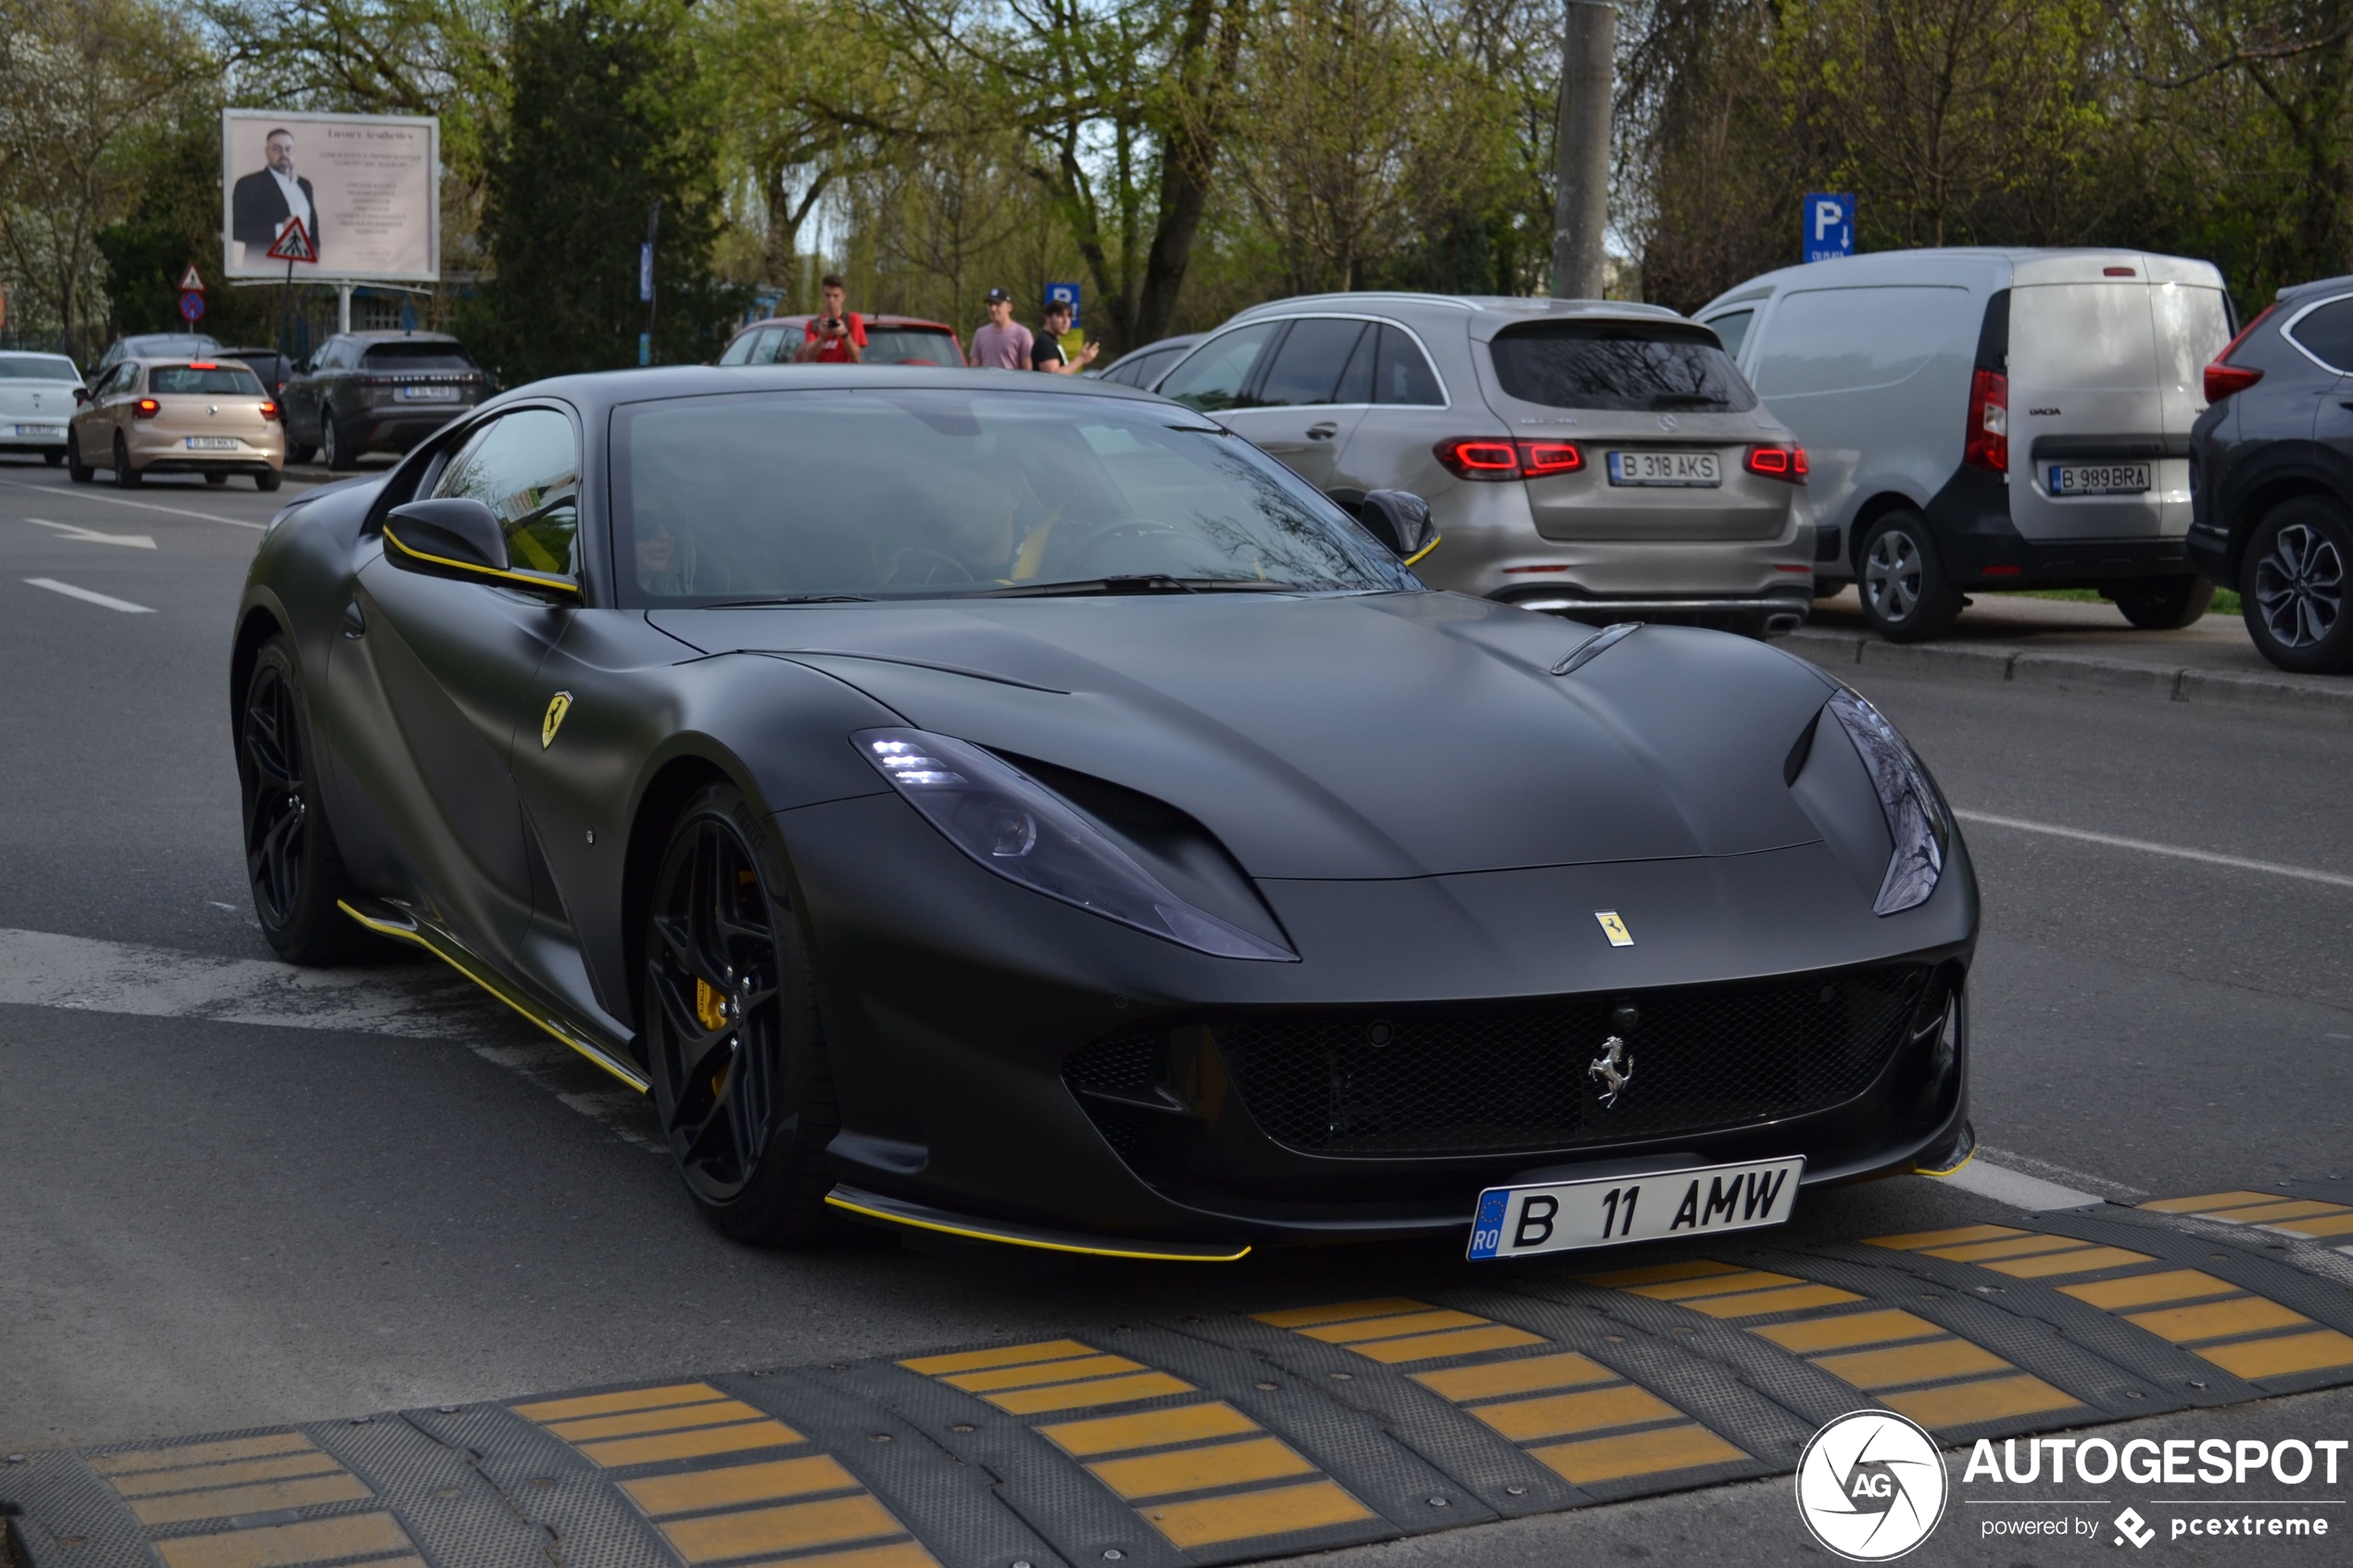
429	393
41	429
2099	479
1609	1210
212	443
1685	469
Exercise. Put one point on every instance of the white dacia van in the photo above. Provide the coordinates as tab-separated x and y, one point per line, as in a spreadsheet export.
1990	418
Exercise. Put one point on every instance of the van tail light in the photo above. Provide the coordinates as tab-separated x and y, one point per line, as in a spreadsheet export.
268	410
2222	378
1489	457
1785	463
145	409
1987	445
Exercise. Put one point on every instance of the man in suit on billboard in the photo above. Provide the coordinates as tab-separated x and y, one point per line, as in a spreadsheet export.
261	202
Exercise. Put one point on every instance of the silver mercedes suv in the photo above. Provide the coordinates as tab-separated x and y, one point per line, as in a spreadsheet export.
1588	458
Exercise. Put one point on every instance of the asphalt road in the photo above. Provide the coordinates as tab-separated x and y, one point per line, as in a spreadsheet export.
211	1222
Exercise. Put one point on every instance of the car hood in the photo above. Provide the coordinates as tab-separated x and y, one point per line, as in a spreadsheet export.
1351	736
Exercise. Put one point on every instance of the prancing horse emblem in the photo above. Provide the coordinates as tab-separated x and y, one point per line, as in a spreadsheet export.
1614	1068
557	706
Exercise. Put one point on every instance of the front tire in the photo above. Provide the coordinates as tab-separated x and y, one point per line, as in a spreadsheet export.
125	476
737	1057
332	444
292	865
2163	604
78	471
1907	596
2294	585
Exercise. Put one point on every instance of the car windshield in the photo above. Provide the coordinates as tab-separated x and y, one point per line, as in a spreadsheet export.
416	356
38	367
1619	365
232	381
910	345
900	493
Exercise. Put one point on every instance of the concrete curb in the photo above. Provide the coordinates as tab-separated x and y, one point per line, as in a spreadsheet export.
2074	672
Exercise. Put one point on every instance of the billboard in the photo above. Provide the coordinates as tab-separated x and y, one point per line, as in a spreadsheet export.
367	187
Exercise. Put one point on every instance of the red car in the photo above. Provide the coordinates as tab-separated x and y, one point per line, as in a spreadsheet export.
890	340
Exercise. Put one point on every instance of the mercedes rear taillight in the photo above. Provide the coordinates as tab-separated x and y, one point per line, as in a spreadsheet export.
1786	463
1488	457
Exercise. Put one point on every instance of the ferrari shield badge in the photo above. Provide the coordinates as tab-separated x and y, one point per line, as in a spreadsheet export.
557	706
1612	927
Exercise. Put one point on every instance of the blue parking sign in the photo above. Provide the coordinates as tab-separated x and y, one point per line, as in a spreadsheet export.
1056	293
1828	226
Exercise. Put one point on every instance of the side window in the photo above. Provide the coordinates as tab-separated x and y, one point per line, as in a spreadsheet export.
2327	334
1213	377
1732	327
739	351
1307	367
1402	372
524	466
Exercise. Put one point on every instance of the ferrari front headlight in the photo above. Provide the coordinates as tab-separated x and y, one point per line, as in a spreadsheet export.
1916	820
1009	823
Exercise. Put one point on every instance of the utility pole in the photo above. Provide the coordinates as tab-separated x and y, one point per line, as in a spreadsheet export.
1588	83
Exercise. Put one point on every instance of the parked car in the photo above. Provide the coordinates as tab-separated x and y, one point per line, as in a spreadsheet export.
1144	367
1586	457
890	340
156	346
377	392
1913	377
37	395
177	416
2271	476
274	369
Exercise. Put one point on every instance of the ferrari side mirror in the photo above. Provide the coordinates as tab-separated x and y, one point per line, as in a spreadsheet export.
450	538
1400	520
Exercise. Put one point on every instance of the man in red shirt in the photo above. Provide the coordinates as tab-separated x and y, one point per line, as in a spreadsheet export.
835	336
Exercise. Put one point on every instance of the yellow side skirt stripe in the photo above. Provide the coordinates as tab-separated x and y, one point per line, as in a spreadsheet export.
1103	1250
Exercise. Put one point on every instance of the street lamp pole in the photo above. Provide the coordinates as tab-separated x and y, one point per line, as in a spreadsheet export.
1580	216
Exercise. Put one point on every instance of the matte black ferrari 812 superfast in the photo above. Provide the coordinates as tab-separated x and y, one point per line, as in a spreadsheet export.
1029	811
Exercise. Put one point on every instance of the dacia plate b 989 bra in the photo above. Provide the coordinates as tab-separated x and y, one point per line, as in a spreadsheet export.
1034	813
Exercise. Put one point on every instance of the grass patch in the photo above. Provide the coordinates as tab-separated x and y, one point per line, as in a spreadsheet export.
2226	600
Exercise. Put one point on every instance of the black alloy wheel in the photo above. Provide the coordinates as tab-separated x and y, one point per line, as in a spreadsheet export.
291	861
1907	596
77	470
124	474
2295	584
331	442
2163	604
740	1079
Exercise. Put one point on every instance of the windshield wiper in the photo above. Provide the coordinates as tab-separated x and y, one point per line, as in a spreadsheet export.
1688	400
1141	582
790	599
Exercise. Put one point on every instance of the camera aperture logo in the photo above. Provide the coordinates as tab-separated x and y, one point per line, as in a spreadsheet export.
1871	1486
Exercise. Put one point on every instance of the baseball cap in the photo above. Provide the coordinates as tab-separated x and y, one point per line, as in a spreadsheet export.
994	295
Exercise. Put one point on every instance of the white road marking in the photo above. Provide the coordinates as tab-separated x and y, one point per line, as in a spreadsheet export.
2016	1188
2063	1174
2206	857
43	969
86	596
142	506
92	536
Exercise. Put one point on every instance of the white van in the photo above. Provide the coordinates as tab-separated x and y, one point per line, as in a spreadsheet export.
1990	418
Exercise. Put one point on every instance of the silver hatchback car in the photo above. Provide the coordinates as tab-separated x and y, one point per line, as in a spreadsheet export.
1586	457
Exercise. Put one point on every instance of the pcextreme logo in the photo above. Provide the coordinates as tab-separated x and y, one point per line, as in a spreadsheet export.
1871	1486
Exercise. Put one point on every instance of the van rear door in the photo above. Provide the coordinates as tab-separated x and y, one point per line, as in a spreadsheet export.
2107	356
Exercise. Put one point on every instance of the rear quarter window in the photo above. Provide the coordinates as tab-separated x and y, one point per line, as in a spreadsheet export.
1619	364
2327	334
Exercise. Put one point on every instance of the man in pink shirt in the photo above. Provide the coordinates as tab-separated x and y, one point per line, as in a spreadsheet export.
1004	343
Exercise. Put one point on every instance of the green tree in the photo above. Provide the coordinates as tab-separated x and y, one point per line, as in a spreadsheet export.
608	114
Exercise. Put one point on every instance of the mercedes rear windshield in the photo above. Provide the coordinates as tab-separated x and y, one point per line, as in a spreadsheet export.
1653	367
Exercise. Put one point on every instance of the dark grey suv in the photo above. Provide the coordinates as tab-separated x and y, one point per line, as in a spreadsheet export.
2271	476
377	392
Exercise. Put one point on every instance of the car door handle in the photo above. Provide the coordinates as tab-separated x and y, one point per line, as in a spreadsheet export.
1324	432
354	622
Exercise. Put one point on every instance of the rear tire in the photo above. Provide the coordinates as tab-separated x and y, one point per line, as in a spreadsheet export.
2162	604
216	478
297	453
267	481
125	476
1907	596
733	1043
292	866
78	471
2294	585
54	455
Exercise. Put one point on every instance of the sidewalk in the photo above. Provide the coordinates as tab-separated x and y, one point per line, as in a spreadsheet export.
2068	645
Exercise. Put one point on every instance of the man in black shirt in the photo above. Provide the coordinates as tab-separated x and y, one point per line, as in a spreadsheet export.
1046	349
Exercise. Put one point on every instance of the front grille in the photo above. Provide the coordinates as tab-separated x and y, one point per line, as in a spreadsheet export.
1496	1078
